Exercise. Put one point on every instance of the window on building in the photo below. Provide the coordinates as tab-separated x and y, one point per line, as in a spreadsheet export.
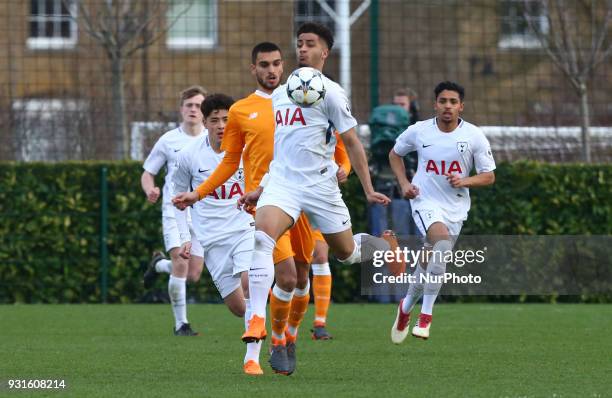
50	129
51	26
192	26
311	11
515	31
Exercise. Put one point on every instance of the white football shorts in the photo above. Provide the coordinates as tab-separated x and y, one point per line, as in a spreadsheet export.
228	258
424	216
172	237
322	203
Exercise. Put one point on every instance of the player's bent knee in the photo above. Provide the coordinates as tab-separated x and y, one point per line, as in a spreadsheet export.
438	231
286	281
236	310
235	303
194	277
350	258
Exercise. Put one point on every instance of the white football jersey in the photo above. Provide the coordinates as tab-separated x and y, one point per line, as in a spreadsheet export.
439	153
164	153
216	217
304	139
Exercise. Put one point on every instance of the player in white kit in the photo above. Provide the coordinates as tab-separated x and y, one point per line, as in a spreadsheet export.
164	153
225	232
448	149
302	175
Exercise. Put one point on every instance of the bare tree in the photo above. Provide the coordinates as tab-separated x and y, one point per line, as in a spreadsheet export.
123	27
577	40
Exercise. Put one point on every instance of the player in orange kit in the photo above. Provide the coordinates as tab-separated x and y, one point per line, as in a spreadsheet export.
250	134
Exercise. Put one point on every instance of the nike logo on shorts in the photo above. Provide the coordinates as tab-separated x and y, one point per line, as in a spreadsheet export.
202	171
425	146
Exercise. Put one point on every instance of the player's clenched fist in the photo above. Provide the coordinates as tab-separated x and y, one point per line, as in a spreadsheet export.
341	176
455	180
410	191
185	199
185	251
153	194
248	201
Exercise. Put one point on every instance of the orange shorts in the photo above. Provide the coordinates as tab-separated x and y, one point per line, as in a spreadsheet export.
317	235
297	242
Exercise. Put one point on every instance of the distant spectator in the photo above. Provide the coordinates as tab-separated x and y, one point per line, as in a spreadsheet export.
397	216
407	98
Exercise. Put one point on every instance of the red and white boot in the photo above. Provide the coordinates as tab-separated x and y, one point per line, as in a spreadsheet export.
400	328
421	329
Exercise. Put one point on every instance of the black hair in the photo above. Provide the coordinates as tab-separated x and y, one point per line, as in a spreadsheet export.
450	86
318	29
263	47
215	102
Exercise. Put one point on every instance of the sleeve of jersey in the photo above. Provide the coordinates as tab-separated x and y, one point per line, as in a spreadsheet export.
339	110
483	157
156	159
406	142
181	176
180	183
340	155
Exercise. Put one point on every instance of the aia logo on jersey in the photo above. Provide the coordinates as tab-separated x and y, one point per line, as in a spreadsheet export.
290	117
441	168
221	193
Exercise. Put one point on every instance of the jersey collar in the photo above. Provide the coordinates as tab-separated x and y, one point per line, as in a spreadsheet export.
459	125
262	94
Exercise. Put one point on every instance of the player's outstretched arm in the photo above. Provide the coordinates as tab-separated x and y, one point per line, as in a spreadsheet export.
228	166
479	180
147	182
359	161
409	191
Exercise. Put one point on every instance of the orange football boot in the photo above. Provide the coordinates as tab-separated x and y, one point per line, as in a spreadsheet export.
256	330
252	368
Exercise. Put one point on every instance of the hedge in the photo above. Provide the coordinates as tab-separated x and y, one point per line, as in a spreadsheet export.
50	225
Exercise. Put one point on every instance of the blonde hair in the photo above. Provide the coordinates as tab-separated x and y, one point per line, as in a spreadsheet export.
191	92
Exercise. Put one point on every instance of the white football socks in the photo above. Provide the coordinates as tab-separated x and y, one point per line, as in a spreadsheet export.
415	291
261	273
252	349
435	268
164	265
177	292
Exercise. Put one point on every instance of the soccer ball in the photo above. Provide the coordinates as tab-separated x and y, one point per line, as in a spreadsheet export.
305	87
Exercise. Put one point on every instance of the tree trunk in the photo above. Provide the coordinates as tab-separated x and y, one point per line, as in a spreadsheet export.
585	123
146	36
122	139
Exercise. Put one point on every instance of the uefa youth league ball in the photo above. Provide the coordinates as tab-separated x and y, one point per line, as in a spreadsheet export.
305	87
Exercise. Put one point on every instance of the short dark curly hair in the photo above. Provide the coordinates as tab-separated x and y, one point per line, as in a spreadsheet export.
450	86
318	29
215	102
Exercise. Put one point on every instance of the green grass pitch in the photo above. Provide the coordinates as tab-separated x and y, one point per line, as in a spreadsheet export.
475	350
